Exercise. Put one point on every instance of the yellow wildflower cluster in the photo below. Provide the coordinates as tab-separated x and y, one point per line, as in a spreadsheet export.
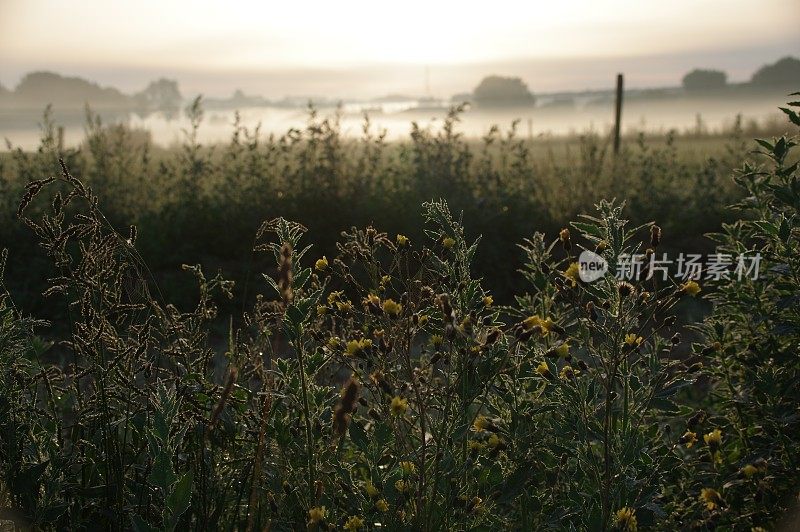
357	347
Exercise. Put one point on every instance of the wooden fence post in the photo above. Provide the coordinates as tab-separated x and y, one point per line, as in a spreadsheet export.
618	114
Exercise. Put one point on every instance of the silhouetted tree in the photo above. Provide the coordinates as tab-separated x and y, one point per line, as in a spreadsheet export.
498	90
785	73
161	95
700	79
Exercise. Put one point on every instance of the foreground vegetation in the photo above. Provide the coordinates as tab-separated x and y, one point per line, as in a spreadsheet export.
379	380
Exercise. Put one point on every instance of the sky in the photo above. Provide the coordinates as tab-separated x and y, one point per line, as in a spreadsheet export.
355	48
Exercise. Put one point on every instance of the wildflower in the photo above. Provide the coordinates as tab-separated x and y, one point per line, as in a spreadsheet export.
386	279
533	321
563	235
335	296
334	342
655	235
354	523
422	320
321	310
543	370
436	340
567	373
372	303
344	306
689	438
399	406
563	350
322	264
316	514
496	442
625	289
488	301
632	340
408	468
474	505
625	519
711	498
448	242
713	439
691	288
353	348
401	486
402	240
382	505
392	308
573	273
480	423
749	470
370	489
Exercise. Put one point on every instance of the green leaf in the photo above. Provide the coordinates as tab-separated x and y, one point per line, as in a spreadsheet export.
358	435
178	501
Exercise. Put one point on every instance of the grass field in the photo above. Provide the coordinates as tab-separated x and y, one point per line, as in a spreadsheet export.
313	331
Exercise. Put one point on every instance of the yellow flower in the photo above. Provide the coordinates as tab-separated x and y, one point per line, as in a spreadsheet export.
317	514
370	488
689	438
495	441
321	264
372	300
573	273
749	470
436	340
401	486
353	348
711	497
448	242
542	369
354	523
392	308
713	439
488	301
386	279
333	297
632	339
321	310
546	325
567	372
626	519
408	468
480	423
422	320
344	306
563	350
402	240
398	406
382	505
691	288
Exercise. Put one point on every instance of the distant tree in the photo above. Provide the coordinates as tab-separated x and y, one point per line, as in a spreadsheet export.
161	95
699	79
41	88
498	90
785	73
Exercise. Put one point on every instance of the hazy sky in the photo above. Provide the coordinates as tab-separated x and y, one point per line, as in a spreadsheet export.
347	47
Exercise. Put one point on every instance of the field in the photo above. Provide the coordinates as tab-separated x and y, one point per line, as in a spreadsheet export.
312	330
